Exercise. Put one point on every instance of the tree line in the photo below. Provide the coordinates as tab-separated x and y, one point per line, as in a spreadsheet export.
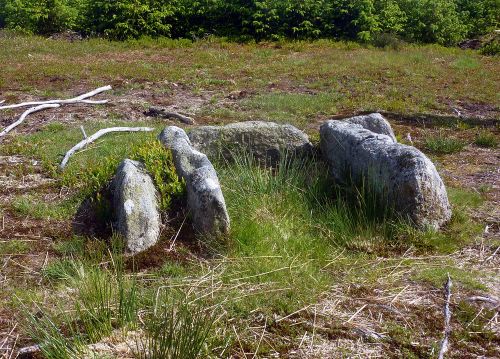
444	22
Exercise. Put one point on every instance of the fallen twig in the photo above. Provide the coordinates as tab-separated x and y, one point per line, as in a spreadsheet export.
83	132
356	314
24	115
161	112
176	235
447	318
41	105
82	98
260	340
484	299
13	347
493	255
95	136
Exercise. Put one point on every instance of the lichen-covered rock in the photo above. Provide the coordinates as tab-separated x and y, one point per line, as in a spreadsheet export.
374	122
204	194
405	175
266	141
136	208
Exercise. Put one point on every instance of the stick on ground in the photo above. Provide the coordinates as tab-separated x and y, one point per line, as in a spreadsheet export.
161	112
447	318
95	136
82	98
41	105
24	115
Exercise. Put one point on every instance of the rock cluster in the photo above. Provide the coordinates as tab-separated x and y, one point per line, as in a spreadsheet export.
359	149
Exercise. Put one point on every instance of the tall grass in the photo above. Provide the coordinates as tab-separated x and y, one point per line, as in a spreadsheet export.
288	223
46	331
175	329
104	298
303	190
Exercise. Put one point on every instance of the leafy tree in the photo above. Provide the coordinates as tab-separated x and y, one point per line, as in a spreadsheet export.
123	19
436	21
38	16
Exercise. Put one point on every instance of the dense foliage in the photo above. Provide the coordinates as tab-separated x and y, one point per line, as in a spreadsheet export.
435	21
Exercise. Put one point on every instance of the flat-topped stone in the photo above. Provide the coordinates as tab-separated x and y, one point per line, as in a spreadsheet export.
266	141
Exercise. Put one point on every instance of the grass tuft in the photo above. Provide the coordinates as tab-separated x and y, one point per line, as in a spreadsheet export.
443	144
486	139
175	329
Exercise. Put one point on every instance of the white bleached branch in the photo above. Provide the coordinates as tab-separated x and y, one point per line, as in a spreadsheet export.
95	136
82	99
24	115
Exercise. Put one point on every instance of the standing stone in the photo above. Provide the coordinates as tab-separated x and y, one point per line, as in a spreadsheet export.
374	122
204	194
266	141
136	209
406	176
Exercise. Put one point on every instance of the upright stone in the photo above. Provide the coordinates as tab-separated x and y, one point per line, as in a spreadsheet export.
406	176
266	141
136	210
205	199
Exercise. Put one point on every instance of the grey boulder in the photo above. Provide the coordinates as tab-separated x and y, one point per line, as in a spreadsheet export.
266	141
135	203
204	194
374	122
404	174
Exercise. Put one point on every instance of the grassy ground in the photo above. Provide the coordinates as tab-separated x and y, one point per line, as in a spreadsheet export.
307	271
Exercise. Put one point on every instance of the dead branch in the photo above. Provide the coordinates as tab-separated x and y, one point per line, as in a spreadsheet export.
97	135
83	132
162	112
24	115
82	98
447	318
489	300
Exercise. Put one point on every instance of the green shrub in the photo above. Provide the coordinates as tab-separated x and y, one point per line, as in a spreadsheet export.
159	163
386	40
124	19
442	21
491	49
40	17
